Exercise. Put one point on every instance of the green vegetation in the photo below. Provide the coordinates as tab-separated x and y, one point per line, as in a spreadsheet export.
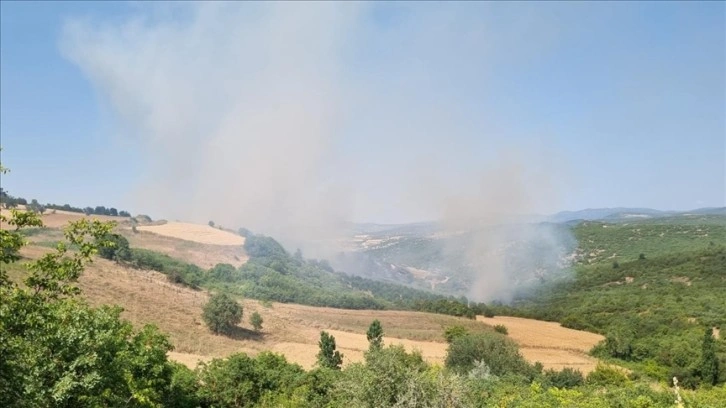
256	321
454	332
375	336
55	350
8	201
623	242
221	314
653	309
497	352
272	274
116	248
176	271
658	313
328	356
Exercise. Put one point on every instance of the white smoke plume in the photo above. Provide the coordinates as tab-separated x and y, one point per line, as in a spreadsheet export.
293	119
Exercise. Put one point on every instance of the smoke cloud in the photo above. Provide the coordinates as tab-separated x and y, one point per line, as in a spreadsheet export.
295	119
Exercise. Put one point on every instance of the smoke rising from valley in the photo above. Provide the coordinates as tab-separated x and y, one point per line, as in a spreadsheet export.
294	119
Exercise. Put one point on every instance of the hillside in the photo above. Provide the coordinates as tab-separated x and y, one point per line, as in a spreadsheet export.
293	330
653	311
171	298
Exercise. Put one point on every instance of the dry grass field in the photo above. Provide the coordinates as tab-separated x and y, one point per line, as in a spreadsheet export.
203	255
293	330
550	343
203	234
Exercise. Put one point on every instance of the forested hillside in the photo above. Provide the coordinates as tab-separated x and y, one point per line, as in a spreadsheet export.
653	289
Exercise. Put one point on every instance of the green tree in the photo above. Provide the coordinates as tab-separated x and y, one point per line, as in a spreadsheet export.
256	321
36	207
242	381
453	332
328	356
709	361
115	247
223	272
55	350
375	336
222	313
498	352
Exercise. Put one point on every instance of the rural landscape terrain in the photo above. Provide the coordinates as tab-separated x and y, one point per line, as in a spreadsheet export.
627	318
366	204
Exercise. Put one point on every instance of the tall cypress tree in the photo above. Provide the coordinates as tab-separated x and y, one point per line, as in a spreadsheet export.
709	361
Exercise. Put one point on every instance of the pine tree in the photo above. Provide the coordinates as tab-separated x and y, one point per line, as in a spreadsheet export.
375	336
328	357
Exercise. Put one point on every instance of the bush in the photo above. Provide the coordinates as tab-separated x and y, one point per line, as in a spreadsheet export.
499	353
222	313
567	378
256	321
604	375
243	381
114	247
453	332
500	328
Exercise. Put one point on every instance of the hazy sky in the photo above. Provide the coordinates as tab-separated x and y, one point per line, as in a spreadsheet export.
369	112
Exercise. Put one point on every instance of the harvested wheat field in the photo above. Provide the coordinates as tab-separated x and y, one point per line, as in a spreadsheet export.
203	234
550	343
203	255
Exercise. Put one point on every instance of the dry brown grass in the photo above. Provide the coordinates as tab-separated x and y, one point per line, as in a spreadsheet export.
290	329
203	234
202	255
549	343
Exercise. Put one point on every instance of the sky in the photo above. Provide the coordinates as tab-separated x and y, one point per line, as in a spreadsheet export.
369	112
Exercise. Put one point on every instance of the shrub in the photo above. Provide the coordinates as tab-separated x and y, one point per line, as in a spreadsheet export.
114	247
243	381
567	378
453	332
500	328
604	375
256	321
222	313
500	354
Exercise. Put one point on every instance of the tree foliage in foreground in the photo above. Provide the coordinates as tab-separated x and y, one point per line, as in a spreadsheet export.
56	350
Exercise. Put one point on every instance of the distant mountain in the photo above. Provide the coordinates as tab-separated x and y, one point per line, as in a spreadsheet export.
418	228
625	213
591	214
